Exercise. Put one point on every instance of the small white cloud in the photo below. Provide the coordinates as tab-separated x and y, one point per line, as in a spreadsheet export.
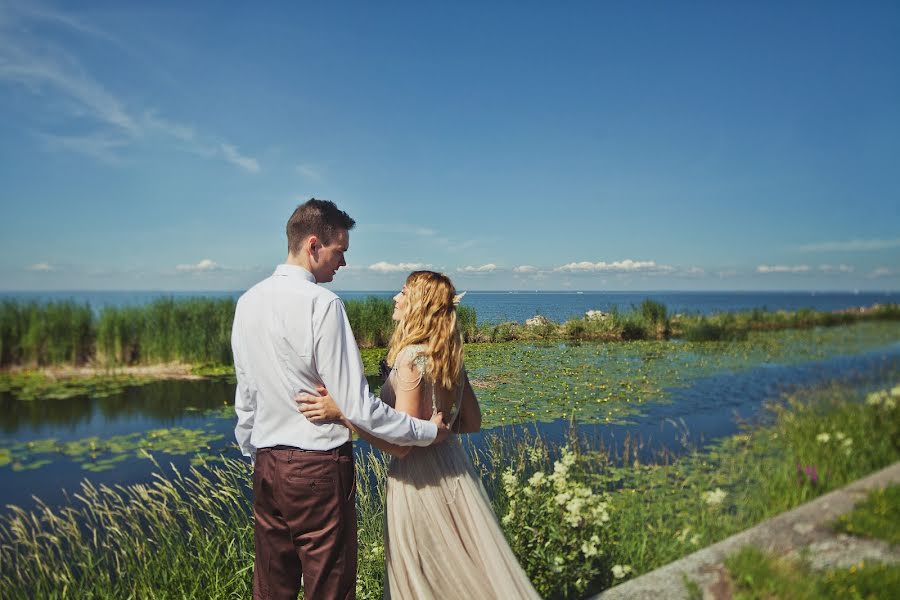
386	267
41	267
236	158
525	269
204	265
727	274
881	272
309	172
619	266
782	269
488	268
836	268
851	246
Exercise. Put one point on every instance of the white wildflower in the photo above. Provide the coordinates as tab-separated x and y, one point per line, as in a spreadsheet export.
682	535
509	481
839	435
558	563
695	540
620	571
823	438
714	497
895	391
537	480
890	403
589	550
876	398
562	497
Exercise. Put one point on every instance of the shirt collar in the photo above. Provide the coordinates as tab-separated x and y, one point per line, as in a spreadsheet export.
286	270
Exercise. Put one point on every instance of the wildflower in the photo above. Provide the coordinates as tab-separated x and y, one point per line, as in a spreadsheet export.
839	435
848	442
537	480
876	398
823	438
562	497
889	403
620	571
509	481
895	391
714	497
589	550
535	455
695	540
682	536
558	563
508	518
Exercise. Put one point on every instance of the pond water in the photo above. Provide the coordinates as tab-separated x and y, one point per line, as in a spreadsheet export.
655	391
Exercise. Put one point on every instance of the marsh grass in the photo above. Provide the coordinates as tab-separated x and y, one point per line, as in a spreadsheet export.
181	536
191	535
877	517
757	575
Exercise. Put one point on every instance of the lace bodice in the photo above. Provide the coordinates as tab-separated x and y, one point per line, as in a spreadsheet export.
447	402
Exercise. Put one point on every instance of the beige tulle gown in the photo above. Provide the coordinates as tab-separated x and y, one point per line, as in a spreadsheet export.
442	539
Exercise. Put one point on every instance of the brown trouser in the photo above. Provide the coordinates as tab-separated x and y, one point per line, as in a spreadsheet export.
304	504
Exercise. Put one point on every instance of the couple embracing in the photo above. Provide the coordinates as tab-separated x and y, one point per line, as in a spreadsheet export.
301	390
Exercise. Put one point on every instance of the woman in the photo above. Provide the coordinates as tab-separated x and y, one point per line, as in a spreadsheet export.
442	539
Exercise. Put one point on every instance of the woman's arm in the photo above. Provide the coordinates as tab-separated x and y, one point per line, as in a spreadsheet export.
469	419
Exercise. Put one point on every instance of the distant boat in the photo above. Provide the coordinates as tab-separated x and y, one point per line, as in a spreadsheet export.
579	292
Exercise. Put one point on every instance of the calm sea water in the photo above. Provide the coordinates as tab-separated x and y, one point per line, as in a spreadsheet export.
559	306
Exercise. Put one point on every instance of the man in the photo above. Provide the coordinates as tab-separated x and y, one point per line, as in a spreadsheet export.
291	335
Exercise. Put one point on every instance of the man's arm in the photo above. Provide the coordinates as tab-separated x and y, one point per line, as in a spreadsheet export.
341	369
244	395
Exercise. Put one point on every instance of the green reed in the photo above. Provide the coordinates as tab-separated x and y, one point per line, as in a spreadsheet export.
33	333
189	330
370	319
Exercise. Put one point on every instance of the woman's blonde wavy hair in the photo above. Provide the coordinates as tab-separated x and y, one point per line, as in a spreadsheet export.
430	319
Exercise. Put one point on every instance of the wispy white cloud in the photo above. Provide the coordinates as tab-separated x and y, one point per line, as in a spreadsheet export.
41	267
836	268
782	269
386	267
31	61
726	274
619	266
488	268
236	158
525	269
851	246
309	171
401	228
204	265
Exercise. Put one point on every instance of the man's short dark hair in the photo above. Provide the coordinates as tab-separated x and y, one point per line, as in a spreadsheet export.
316	217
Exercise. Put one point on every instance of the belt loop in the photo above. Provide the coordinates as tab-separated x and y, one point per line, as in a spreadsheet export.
290	456
336	454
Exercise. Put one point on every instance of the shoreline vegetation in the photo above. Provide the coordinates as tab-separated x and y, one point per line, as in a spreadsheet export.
174	335
579	517
61	349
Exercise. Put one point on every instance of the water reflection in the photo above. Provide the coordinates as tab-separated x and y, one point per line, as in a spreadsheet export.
163	401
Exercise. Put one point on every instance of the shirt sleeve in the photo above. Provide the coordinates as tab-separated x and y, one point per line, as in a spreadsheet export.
341	369
244	395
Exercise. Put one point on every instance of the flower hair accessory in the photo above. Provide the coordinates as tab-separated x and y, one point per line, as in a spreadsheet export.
457	298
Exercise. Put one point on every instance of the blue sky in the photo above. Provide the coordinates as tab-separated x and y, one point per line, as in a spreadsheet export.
513	145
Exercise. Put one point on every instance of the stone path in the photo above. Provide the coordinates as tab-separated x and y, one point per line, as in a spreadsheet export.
806	526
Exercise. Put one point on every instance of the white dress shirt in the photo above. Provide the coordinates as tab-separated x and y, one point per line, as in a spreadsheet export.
291	335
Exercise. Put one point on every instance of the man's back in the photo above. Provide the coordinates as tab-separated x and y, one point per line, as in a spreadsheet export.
273	339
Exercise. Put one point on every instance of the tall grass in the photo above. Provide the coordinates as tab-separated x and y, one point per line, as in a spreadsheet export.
371	321
45	333
189	536
191	330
